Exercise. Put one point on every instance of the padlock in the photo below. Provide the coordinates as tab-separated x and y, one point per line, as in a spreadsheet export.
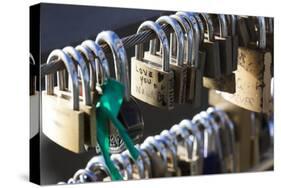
221	139
253	76
209	120
137	166
235	40
123	165
157	158
150	82
86	105
184	149
226	82
212	163
97	166
212	67
172	162
146	162
243	32
62	120
176	64
225	43
229	137
197	152
196	102
192	33
129	114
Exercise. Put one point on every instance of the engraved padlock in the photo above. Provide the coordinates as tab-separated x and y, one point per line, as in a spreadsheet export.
253	75
62	119
153	82
129	114
176	60
211	46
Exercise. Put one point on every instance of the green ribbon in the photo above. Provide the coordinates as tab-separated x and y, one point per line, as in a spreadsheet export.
107	109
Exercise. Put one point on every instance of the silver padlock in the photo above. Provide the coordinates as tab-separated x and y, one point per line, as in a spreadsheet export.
153	82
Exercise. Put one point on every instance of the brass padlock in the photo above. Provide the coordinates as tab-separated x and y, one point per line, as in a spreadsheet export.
62	120
211	46
176	63
253	76
151	82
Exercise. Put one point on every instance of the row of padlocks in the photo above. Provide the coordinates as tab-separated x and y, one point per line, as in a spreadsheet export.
203	145
90	108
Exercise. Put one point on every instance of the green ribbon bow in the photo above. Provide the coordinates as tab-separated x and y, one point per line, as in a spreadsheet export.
107	108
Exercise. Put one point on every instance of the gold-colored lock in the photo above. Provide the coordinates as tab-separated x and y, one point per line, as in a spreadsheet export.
63	121
151	82
176	64
253	76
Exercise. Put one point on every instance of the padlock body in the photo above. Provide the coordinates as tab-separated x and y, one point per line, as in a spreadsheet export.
180	76
61	124
252	80
152	85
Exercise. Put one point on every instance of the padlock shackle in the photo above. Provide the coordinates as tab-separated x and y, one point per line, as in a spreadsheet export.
211	123
120	58
233	25
222	25
169	147
191	20
186	123
262	32
139	51
84	71
98	53
209	26
97	163
179	36
189	46
200	26
57	56
89	58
